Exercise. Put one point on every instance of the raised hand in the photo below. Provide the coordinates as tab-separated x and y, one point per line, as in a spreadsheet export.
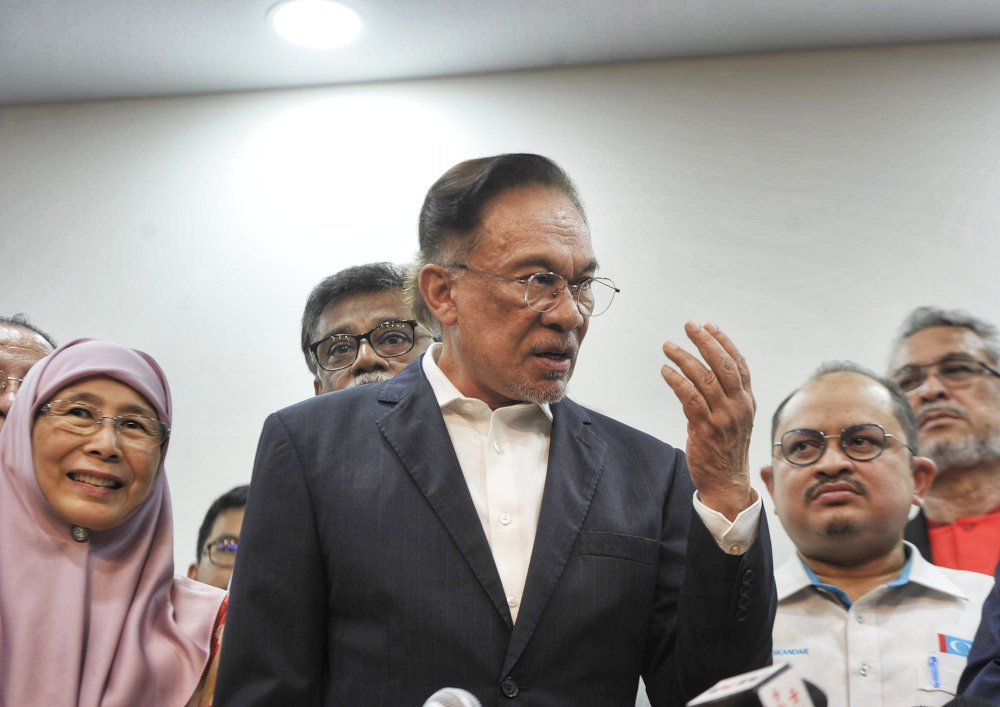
720	407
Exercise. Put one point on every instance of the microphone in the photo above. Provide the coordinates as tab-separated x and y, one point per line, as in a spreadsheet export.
768	687
452	697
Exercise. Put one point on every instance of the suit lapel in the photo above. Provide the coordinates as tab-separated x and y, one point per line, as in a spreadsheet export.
576	458
415	429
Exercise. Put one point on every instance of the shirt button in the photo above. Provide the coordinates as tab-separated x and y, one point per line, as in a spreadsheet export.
968	526
497	448
864	670
511	601
736	549
505	518
860	618
468	406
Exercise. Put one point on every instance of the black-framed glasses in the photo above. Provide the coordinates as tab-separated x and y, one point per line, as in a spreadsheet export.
953	372
388	339
222	551
5	381
862	443
593	295
83	419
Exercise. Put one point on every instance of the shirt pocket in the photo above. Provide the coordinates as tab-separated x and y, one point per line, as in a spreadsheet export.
940	672
623	547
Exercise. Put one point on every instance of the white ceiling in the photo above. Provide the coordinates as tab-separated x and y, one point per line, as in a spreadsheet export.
75	50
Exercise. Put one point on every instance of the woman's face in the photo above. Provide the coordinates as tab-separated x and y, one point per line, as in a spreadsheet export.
94	480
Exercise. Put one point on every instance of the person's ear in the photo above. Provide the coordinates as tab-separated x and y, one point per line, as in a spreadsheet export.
436	286
317	386
767	476
193	570
923	476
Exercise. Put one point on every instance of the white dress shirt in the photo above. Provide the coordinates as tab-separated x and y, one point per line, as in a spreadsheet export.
902	644
504	456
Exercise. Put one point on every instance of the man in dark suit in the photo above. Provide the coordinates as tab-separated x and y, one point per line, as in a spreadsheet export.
463	524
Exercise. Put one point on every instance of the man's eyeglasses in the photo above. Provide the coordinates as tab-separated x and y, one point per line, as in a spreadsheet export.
222	552
5	381
593	295
388	339
862	443
82	419
953	372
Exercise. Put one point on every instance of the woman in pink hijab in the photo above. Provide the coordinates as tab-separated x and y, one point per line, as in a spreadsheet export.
91	612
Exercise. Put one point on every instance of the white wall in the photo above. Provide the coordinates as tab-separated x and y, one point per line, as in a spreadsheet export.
804	202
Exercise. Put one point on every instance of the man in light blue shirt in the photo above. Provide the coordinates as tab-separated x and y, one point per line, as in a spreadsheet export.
860	612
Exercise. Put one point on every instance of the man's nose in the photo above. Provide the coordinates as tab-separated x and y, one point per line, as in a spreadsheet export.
7	397
833	461
932	388
367	359
566	315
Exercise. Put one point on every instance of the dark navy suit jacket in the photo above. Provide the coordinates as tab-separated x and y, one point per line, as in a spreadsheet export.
364	576
981	677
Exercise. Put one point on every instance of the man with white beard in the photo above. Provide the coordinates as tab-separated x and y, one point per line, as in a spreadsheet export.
946	361
357	328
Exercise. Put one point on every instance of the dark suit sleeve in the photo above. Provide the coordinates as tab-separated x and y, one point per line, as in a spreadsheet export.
274	645
916	533
981	677
724	609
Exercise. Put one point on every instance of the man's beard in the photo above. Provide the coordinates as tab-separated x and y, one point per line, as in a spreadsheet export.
839	526
963	453
369	377
540	395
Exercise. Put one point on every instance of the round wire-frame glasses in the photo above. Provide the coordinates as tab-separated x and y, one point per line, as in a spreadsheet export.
862	443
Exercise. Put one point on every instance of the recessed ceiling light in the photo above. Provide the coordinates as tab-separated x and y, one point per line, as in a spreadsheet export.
318	24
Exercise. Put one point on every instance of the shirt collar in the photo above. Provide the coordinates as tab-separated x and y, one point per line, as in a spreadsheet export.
445	391
794	576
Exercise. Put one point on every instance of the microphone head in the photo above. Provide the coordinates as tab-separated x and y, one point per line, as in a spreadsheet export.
452	697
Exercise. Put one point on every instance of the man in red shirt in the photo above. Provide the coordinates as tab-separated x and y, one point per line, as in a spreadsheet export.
946	361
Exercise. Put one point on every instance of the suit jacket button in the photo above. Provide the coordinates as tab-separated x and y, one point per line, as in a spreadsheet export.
509	687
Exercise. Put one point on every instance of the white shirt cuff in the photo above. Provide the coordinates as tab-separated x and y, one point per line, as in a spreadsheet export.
736	537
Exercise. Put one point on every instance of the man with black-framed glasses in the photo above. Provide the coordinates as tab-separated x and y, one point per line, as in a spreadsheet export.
466	525
860	612
946	361
357	328
219	538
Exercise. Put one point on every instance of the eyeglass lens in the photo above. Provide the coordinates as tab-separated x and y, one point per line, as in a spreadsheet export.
952	372
543	290
860	443
84	419
5	381
387	340
222	552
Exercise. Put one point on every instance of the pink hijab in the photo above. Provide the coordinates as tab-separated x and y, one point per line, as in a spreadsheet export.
104	621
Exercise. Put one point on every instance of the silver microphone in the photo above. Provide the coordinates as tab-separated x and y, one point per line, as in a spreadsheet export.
452	697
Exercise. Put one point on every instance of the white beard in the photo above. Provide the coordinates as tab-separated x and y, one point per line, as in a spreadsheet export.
963	453
369	377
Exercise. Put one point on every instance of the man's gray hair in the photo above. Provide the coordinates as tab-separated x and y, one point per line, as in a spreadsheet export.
926	317
900	405
455	203
21	321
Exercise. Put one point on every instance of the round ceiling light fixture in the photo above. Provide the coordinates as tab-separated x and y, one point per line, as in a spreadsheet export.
317	24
